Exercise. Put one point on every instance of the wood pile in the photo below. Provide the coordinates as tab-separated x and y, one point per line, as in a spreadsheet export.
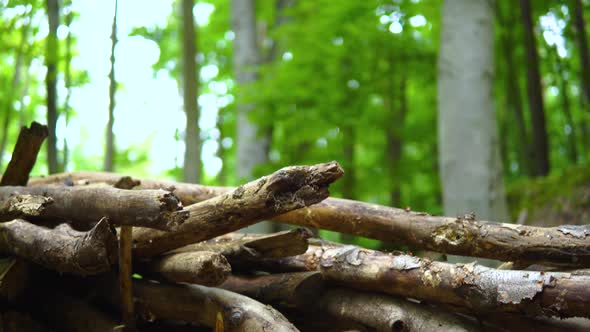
95	251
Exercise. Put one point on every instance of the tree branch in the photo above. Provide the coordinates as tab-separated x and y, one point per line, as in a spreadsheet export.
148	208
61	249
24	155
285	190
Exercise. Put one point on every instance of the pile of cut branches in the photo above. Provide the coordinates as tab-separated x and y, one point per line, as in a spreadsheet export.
94	251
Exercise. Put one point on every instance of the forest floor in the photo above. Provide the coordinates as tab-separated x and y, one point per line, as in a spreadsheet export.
554	200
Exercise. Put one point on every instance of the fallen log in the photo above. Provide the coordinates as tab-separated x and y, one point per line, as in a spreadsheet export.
62	249
243	249
476	287
564	245
471	286
287	189
148	208
304	290
197	267
288	289
209	306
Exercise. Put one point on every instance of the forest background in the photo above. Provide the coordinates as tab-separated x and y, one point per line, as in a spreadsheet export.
448	107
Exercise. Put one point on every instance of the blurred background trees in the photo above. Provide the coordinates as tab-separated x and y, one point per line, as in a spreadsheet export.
221	91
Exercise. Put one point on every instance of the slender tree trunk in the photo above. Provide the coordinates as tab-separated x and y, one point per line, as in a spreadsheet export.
570	137
51	83
110	136
15	90
251	150
470	165
535	94
250	147
513	96
67	81
192	154
581	36
221	150
394	136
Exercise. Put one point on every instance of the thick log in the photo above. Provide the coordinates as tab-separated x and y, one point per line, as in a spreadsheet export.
148	208
197	267
62	249
476	287
564	245
299	289
243	249
287	189
24	155
198	304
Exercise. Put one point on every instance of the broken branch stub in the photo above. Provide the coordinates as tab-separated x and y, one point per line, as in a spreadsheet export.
285	190
61	249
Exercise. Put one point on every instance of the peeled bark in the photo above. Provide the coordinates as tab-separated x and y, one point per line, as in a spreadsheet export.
298	289
200	267
240	249
475	287
62	249
85	205
285	190
24	155
564	245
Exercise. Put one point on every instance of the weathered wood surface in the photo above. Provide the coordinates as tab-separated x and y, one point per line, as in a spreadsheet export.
61	249
242	250
287	189
564	245
197	267
24	155
86	205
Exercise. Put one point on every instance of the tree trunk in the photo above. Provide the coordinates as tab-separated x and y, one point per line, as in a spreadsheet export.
68	82
535	94
470	165
24	155
562	79
15	90
581	36
52	58
513	96
190	90
110	135
251	150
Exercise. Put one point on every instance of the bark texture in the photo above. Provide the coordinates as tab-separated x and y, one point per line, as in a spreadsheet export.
299	289
471	169
285	190
476	287
198	267
564	245
241	249
62	249
24	155
212	307
85	205
386	313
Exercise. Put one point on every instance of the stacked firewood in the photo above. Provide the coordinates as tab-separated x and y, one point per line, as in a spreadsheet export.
94	251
